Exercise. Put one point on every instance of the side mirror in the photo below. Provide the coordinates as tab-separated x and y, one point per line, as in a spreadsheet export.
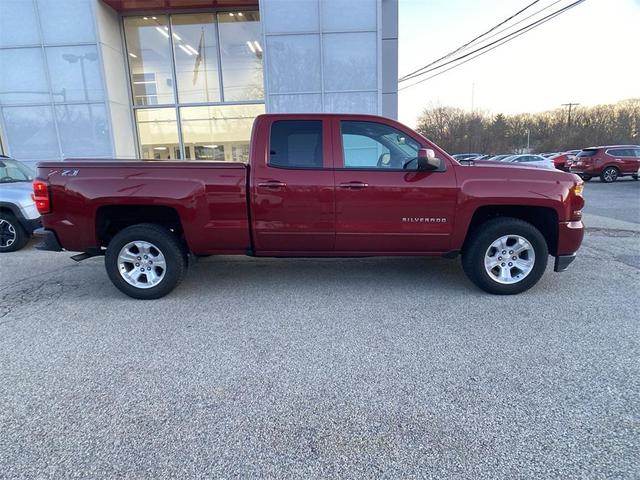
427	159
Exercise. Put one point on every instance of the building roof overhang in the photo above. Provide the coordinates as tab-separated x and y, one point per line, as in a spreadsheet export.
153	5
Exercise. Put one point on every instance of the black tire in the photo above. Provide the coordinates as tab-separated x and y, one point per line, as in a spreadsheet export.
585	178
477	246
12	235
635	177
165	242
609	175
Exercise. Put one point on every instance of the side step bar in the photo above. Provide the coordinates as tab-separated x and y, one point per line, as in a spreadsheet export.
91	253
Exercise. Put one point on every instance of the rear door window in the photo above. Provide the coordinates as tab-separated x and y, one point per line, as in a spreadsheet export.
296	144
617	152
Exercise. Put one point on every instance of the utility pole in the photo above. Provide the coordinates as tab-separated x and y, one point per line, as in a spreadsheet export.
473	95
570	105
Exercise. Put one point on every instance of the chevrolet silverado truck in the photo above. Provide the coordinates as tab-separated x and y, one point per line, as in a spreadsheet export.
316	185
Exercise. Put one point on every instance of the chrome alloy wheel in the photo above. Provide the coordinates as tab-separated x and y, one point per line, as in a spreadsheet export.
509	259
610	175
7	234
142	264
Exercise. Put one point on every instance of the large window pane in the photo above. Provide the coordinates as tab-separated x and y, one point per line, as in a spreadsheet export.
75	74
241	50
31	133
22	77
84	131
218	133
158	133
362	15
353	102
67	21
149	53
296	103
349	61
18	25
300	76
299	16
195	45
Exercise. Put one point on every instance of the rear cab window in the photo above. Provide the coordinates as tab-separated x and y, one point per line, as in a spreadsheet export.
588	152
296	144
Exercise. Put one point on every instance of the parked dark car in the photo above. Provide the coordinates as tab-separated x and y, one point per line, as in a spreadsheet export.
607	162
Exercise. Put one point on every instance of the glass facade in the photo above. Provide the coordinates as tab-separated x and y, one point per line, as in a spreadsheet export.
52	97
196	82
107	79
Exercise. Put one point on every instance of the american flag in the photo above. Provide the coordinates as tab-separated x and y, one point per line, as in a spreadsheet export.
196	67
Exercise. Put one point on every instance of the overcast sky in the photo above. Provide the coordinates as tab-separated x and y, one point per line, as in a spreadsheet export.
589	55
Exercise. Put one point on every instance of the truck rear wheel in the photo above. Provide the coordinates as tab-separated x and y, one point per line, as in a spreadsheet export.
505	256
145	261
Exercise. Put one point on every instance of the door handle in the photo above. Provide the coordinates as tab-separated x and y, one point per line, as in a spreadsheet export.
354	185
272	184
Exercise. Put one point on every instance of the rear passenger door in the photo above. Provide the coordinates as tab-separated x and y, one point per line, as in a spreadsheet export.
293	189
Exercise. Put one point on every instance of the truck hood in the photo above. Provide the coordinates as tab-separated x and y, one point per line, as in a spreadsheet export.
500	171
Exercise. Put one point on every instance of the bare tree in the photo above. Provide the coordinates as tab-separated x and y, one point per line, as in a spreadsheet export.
459	131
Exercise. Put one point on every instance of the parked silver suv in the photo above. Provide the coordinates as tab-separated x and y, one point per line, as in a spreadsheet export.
18	214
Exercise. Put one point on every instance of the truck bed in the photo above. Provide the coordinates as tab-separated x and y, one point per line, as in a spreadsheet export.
210	199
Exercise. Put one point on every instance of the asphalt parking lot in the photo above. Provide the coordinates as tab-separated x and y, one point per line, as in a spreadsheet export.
327	368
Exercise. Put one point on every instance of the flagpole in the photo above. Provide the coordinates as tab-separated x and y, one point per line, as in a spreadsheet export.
204	59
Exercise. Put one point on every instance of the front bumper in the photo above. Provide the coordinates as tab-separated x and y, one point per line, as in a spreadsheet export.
562	262
47	240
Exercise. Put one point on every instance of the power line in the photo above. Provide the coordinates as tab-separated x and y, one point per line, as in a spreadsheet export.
485	49
522	20
472	41
494	45
516	32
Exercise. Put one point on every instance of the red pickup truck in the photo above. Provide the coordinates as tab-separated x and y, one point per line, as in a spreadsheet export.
317	185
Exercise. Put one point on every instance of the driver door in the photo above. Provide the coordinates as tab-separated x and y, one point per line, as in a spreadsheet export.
382	207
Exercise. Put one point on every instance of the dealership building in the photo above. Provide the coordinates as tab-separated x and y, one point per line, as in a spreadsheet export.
184	79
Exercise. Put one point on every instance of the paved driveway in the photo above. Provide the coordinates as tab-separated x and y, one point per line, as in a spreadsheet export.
324	368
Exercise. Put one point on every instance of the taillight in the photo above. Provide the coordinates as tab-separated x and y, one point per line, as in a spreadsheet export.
41	196
577	201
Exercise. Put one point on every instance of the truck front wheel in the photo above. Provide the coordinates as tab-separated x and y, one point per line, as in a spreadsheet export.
505	256
145	261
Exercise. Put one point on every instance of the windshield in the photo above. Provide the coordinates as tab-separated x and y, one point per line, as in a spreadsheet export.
12	171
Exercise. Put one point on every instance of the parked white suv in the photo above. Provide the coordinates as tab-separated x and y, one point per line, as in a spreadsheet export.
18	214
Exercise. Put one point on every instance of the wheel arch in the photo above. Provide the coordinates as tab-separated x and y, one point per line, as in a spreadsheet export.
111	219
609	164
11	208
545	219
